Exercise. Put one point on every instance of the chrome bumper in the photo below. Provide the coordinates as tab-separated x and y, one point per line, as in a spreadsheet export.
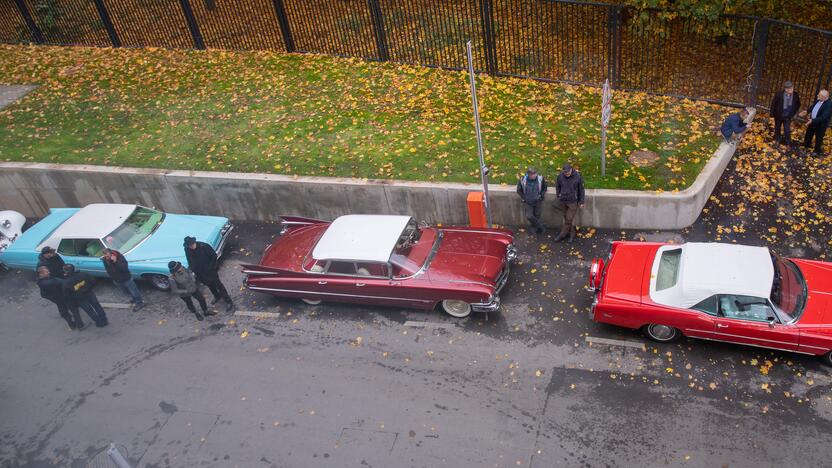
224	233
511	252
490	306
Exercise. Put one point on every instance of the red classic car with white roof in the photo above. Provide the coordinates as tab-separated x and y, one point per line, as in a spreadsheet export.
386	260
721	292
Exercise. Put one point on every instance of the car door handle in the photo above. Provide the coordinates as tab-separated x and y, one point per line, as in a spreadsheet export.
321	282
719	325
607	315
359	284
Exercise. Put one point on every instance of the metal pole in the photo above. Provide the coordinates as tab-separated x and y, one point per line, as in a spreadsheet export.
117	457
483	168
603	150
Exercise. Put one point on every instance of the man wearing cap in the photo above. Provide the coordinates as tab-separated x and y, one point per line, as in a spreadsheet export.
51	289
77	288
784	106
532	190
183	284
819	113
51	260
202	260
570	191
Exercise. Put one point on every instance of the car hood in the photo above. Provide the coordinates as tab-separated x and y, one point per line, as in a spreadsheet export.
468	256
818	276
166	242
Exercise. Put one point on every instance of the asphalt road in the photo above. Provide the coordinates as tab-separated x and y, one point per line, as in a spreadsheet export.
350	386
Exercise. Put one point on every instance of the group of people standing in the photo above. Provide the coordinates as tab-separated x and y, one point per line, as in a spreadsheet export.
569	190
72	291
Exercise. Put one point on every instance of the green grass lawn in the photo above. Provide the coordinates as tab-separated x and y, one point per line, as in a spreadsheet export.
325	116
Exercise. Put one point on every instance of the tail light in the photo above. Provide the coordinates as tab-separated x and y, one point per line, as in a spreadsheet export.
595	271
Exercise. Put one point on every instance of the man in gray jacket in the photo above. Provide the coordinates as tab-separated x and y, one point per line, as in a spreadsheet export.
570	191
183	284
532	190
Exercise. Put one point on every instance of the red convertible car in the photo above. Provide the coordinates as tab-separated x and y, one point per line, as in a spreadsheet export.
720	292
386	260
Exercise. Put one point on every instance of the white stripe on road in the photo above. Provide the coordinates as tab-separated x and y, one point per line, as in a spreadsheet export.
429	324
116	305
607	341
248	313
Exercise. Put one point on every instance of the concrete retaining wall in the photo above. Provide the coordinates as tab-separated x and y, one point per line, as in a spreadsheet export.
33	188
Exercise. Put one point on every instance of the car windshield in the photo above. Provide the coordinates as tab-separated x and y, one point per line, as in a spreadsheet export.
788	290
140	224
412	250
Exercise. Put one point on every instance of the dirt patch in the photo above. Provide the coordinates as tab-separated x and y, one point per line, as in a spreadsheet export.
642	158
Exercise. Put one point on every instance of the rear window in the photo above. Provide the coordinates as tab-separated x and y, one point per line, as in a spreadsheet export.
668	273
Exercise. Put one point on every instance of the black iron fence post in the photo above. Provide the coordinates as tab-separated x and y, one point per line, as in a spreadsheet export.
488	41
760	43
37	35
192	25
614	50
823	64
108	23
283	21
378	27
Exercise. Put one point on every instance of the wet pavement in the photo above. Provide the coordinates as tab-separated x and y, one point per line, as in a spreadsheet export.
340	385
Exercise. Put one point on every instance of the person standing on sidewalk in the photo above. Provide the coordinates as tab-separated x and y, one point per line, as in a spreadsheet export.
532	191
784	106
570	192
119	272
51	289
183	284
820	114
202	260
50	259
78	292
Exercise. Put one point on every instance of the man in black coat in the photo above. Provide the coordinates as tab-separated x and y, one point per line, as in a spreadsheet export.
51	289
50	259
202	260
784	106
119	272
819	113
570	192
78	292
532	191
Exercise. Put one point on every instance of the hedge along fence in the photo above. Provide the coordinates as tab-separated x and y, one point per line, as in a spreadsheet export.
559	40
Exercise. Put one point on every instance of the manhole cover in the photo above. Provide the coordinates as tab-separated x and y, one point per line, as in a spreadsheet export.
643	158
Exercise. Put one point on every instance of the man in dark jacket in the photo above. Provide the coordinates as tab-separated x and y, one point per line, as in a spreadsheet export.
532	190
820	113
50	259
51	289
183	284
202	260
570	192
119	272
784	106
734	126
78	293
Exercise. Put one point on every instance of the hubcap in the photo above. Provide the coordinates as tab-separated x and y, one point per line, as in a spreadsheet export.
160	282
457	308
662	332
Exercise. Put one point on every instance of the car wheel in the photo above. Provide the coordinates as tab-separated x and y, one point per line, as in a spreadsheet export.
827	358
159	282
662	333
312	301
458	309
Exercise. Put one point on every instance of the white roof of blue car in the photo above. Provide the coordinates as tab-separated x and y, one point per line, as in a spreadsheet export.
361	238
90	222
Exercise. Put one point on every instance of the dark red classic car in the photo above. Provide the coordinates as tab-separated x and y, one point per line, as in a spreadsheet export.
386	260
720	292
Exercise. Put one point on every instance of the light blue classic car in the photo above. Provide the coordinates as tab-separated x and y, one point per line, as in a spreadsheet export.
147	238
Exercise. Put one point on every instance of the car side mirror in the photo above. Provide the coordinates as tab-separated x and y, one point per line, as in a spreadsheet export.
771	321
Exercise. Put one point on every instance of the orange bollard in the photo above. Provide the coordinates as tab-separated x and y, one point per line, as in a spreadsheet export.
476	210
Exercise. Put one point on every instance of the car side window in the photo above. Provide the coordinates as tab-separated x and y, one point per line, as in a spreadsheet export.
371	269
341	268
710	306
740	307
67	247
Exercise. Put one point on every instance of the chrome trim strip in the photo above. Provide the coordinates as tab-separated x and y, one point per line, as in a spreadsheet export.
814	347
479	232
259	273
756	346
313	293
223	240
751	338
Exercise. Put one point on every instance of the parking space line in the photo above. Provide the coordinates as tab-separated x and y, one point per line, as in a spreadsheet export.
116	305
607	341
410	323
248	313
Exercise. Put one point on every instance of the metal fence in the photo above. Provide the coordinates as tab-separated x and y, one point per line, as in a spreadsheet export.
559	40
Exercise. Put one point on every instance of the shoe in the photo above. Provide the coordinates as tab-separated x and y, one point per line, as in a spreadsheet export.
208	313
199	316
82	326
139	306
559	238
229	307
571	238
102	324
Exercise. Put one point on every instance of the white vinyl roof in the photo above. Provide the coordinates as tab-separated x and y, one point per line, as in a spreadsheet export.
91	222
712	268
360	238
